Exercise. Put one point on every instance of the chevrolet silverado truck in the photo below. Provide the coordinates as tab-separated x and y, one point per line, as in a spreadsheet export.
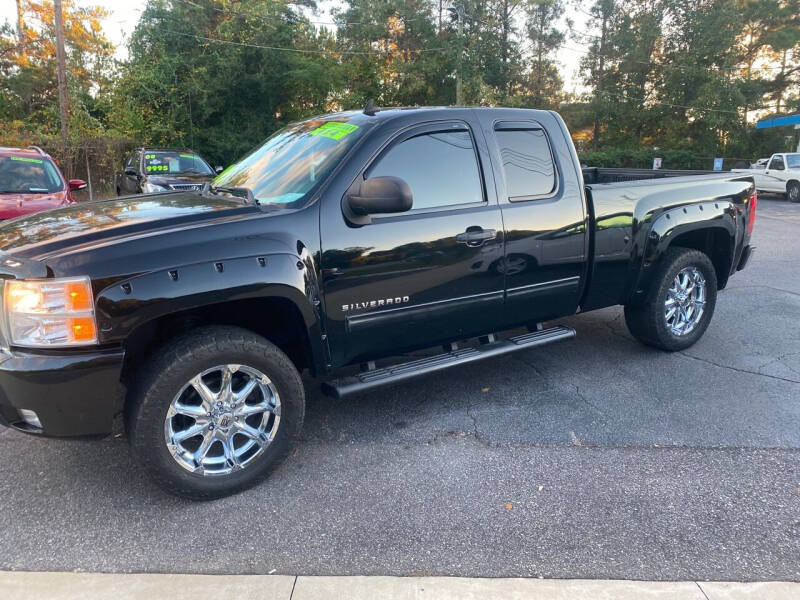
340	246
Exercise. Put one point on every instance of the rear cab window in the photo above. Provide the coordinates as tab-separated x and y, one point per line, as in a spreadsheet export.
440	166
527	159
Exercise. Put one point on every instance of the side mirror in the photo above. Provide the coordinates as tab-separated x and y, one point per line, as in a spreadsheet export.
76	184
130	171
380	195
218	169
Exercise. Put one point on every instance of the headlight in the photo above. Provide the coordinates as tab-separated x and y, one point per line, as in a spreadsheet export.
50	312
150	188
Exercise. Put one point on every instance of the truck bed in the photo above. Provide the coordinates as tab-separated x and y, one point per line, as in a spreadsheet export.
613	175
623	213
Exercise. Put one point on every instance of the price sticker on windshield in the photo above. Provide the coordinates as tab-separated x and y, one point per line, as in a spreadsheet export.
334	130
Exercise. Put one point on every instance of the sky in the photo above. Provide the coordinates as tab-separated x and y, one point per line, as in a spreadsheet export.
124	14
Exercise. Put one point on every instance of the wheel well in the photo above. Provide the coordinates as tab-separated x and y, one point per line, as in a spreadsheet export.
716	244
277	319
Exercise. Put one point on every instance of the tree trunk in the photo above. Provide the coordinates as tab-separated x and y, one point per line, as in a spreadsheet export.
505	49
596	134
459	93
63	97
781	79
23	57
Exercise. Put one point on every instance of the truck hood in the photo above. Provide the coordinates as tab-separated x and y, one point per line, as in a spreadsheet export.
90	223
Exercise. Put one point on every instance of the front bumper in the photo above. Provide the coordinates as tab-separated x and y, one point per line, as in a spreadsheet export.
72	394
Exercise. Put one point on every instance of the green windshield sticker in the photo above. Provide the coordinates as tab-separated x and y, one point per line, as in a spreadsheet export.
334	130
227	170
23	159
192	156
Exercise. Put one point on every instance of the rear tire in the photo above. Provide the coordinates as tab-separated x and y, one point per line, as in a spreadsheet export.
793	191
654	324
239	435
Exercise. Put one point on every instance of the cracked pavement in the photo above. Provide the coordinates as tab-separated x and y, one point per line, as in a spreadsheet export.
616	460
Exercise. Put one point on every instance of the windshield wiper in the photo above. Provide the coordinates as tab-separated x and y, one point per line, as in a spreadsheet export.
234	191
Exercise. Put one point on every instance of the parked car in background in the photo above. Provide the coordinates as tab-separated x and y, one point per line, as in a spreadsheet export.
150	170
780	175
30	182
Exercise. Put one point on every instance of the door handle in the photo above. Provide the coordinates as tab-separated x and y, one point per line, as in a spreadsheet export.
476	236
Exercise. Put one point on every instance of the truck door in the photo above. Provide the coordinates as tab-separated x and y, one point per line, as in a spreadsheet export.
421	277
775	175
542	203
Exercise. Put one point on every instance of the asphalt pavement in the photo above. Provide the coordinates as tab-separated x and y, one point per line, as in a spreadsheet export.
593	458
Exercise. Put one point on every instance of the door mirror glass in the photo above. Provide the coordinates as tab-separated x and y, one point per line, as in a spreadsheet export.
130	171
381	195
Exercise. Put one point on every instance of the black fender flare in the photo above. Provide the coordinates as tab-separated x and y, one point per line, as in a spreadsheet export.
720	215
130	303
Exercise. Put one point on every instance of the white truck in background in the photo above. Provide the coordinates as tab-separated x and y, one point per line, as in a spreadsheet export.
781	175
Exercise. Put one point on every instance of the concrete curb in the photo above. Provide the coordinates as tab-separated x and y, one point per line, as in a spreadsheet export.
19	585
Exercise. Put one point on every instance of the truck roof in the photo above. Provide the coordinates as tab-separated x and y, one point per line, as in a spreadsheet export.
381	114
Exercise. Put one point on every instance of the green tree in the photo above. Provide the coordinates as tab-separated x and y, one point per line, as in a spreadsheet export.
545	83
221	76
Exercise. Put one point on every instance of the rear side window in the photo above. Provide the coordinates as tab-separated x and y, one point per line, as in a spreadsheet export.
440	167
527	163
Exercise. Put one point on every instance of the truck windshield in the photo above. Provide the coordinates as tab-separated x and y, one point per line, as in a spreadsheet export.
292	163
175	163
793	161
26	175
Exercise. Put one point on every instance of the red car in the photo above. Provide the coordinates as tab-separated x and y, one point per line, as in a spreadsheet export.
31	182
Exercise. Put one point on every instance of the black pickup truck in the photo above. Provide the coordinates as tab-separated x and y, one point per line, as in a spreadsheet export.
342	243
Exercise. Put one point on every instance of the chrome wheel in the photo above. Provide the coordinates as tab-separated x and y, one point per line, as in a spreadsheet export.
222	419
685	302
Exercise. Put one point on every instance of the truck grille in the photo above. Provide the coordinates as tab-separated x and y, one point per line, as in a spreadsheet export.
186	186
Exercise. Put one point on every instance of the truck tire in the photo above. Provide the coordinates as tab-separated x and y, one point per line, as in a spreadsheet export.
793	191
214	411
680	304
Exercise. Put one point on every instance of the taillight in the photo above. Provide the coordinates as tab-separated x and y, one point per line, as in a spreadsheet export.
751	215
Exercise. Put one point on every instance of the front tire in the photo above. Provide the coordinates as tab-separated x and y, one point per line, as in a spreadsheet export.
214	412
793	191
680	304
